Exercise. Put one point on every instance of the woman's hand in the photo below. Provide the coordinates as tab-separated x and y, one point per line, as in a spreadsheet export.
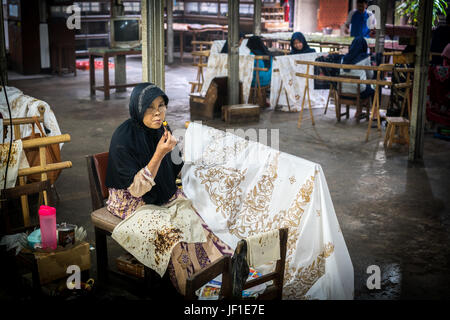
166	144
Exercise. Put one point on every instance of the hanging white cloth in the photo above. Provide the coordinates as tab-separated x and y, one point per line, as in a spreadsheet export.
17	160
286	79
25	106
242	188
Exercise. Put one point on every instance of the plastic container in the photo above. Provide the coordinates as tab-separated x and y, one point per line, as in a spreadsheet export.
47	221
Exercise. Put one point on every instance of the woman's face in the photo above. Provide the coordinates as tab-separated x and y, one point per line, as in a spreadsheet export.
155	114
298	44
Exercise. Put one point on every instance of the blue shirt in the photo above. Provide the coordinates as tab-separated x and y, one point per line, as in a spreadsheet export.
359	26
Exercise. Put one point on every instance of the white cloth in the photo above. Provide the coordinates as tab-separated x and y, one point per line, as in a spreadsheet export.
151	232
242	188
263	248
17	160
25	106
218	67
362	74
294	85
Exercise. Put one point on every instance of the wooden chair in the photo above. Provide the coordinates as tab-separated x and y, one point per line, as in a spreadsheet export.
104	222
220	266
348	99
210	106
274	291
397	129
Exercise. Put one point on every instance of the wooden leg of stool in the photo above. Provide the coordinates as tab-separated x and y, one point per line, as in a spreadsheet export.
386	137
391	136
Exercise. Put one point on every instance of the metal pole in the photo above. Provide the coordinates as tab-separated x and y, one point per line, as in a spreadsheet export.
169	31
152	14
420	81
233	52
257	17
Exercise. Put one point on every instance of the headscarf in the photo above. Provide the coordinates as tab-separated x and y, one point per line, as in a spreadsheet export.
306	49
133	145
225	46
357	52
257	47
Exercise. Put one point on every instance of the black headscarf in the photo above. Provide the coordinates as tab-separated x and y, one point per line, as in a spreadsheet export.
306	49
356	52
257	47
133	145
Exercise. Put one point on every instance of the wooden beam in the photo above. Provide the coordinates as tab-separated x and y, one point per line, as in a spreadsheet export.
381	67
346	80
233	52
416	135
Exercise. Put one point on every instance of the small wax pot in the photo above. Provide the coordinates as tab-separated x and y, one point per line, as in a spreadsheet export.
66	234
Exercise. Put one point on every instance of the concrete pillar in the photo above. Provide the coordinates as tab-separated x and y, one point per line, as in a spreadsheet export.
305	19
233	52
257	17
381	33
152	13
169	5
416	129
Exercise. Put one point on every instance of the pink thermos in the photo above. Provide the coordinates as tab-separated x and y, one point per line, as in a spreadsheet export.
47	221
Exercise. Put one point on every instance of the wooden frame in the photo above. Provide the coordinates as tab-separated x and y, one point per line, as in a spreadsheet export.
378	83
220	266
196	86
43	167
257	91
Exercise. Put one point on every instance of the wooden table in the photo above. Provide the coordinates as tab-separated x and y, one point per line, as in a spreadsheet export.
120	70
182	28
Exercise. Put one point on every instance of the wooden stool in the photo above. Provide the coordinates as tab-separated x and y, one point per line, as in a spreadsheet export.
394	123
241	113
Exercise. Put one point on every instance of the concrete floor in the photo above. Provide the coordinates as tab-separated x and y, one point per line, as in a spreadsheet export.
392	214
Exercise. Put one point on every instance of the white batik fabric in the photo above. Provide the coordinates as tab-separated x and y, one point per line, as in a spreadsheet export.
25	106
286	79
17	160
242	188
151	232
218	67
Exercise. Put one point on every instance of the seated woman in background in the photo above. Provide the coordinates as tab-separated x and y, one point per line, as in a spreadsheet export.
257	48
358	55
141	170
299	44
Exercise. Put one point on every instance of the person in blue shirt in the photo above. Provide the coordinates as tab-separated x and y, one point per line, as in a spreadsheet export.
257	48
299	44
360	21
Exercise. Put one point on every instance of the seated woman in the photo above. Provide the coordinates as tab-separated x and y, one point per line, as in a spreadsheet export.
141	171
358	55
257	48
299	44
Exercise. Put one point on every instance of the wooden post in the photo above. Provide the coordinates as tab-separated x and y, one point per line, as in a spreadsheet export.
169	4
233	52
152	13
257	17
420	81
3	62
